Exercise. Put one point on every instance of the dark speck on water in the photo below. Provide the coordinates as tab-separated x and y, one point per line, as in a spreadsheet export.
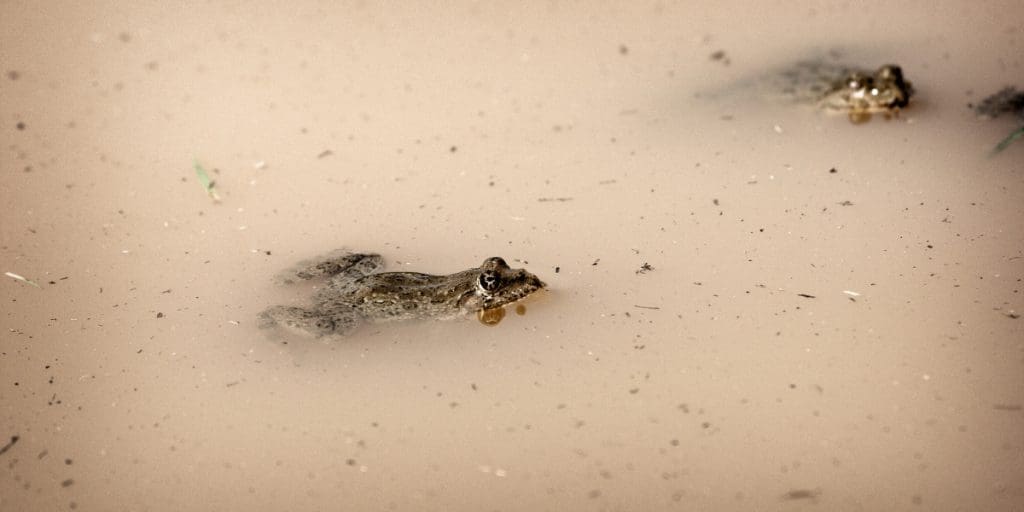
14	439
801	494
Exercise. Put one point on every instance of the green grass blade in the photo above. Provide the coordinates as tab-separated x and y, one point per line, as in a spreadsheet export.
1010	138
205	181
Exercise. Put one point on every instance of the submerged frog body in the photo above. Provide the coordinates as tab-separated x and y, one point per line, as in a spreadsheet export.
354	294
1007	101
838	89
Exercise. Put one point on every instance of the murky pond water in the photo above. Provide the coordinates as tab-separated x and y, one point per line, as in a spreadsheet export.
751	305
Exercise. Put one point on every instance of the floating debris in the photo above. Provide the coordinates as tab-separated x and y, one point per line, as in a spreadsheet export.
20	278
4	448
720	56
206	182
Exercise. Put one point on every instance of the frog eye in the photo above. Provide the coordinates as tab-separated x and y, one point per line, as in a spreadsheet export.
495	262
489	281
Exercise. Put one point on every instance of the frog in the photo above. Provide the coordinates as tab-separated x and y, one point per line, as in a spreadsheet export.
860	94
850	91
355	292
833	88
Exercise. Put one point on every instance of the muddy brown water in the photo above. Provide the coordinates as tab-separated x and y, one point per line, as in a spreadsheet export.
753	306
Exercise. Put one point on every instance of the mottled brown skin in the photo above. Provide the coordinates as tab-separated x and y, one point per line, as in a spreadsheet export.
354	294
859	94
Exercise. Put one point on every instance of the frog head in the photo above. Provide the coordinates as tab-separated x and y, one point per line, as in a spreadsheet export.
860	94
497	285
